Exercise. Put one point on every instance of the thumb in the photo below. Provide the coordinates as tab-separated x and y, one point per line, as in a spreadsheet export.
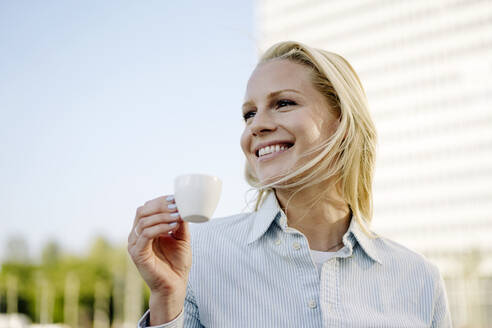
183	231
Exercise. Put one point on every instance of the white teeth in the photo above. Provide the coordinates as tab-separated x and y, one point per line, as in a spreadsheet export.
271	149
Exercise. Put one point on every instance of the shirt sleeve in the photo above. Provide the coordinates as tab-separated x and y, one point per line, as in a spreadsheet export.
188	318
442	316
144	322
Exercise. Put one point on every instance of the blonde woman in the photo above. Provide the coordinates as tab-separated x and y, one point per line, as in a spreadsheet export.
305	257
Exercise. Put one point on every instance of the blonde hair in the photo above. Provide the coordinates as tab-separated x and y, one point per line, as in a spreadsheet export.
349	154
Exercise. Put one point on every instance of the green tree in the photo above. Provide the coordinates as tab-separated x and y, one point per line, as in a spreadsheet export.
103	264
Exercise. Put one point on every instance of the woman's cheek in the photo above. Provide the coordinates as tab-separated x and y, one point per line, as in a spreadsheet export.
243	142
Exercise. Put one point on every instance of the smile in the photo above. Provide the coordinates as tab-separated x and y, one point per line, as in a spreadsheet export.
272	151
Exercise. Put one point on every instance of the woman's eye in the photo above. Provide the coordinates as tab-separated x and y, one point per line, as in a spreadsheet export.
283	103
248	115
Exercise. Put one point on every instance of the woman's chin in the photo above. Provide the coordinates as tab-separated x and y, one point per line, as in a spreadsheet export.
267	179
271	174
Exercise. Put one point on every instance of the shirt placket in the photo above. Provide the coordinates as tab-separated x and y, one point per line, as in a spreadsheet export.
329	292
299	246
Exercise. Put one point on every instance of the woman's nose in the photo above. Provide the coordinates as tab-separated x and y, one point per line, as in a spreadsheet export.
262	123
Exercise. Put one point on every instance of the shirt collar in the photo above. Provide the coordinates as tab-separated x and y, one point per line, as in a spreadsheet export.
368	244
270	211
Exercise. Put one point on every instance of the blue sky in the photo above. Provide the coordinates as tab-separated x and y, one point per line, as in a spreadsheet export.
103	103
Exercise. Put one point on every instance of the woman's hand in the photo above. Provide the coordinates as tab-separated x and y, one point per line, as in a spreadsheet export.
163	259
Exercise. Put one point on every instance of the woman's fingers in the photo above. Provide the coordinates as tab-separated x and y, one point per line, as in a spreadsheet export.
155	219
148	234
182	232
164	204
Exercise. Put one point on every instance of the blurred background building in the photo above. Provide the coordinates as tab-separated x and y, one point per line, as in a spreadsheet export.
426	68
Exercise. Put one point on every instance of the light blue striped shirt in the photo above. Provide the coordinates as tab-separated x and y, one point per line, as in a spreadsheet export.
252	270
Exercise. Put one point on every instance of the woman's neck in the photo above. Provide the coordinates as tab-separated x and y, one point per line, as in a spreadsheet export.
325	223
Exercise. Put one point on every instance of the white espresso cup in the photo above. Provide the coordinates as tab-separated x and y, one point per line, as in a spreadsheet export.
197	196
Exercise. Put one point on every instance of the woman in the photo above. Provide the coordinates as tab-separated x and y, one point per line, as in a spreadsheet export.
305	257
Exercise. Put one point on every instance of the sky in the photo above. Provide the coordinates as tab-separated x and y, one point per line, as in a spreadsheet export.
103	103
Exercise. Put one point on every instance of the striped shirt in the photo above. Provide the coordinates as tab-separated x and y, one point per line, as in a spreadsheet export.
252	270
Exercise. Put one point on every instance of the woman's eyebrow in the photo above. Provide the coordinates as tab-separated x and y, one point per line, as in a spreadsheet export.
269	96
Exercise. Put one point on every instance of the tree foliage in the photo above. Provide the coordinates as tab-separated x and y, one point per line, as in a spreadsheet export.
104	263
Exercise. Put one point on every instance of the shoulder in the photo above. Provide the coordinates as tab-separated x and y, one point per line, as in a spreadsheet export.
403	260
416	278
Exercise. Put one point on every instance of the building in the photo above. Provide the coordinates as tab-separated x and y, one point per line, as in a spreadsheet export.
426	68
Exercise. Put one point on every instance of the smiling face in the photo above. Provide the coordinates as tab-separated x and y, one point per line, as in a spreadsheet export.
283	110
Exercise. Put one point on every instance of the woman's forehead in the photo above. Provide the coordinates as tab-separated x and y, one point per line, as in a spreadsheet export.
277	75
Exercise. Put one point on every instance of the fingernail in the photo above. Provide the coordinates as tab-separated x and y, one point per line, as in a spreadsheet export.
174	215
171	206
170	198
172	225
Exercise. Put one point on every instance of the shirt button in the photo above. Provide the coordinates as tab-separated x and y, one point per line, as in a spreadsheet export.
278	242
312	304
296	245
